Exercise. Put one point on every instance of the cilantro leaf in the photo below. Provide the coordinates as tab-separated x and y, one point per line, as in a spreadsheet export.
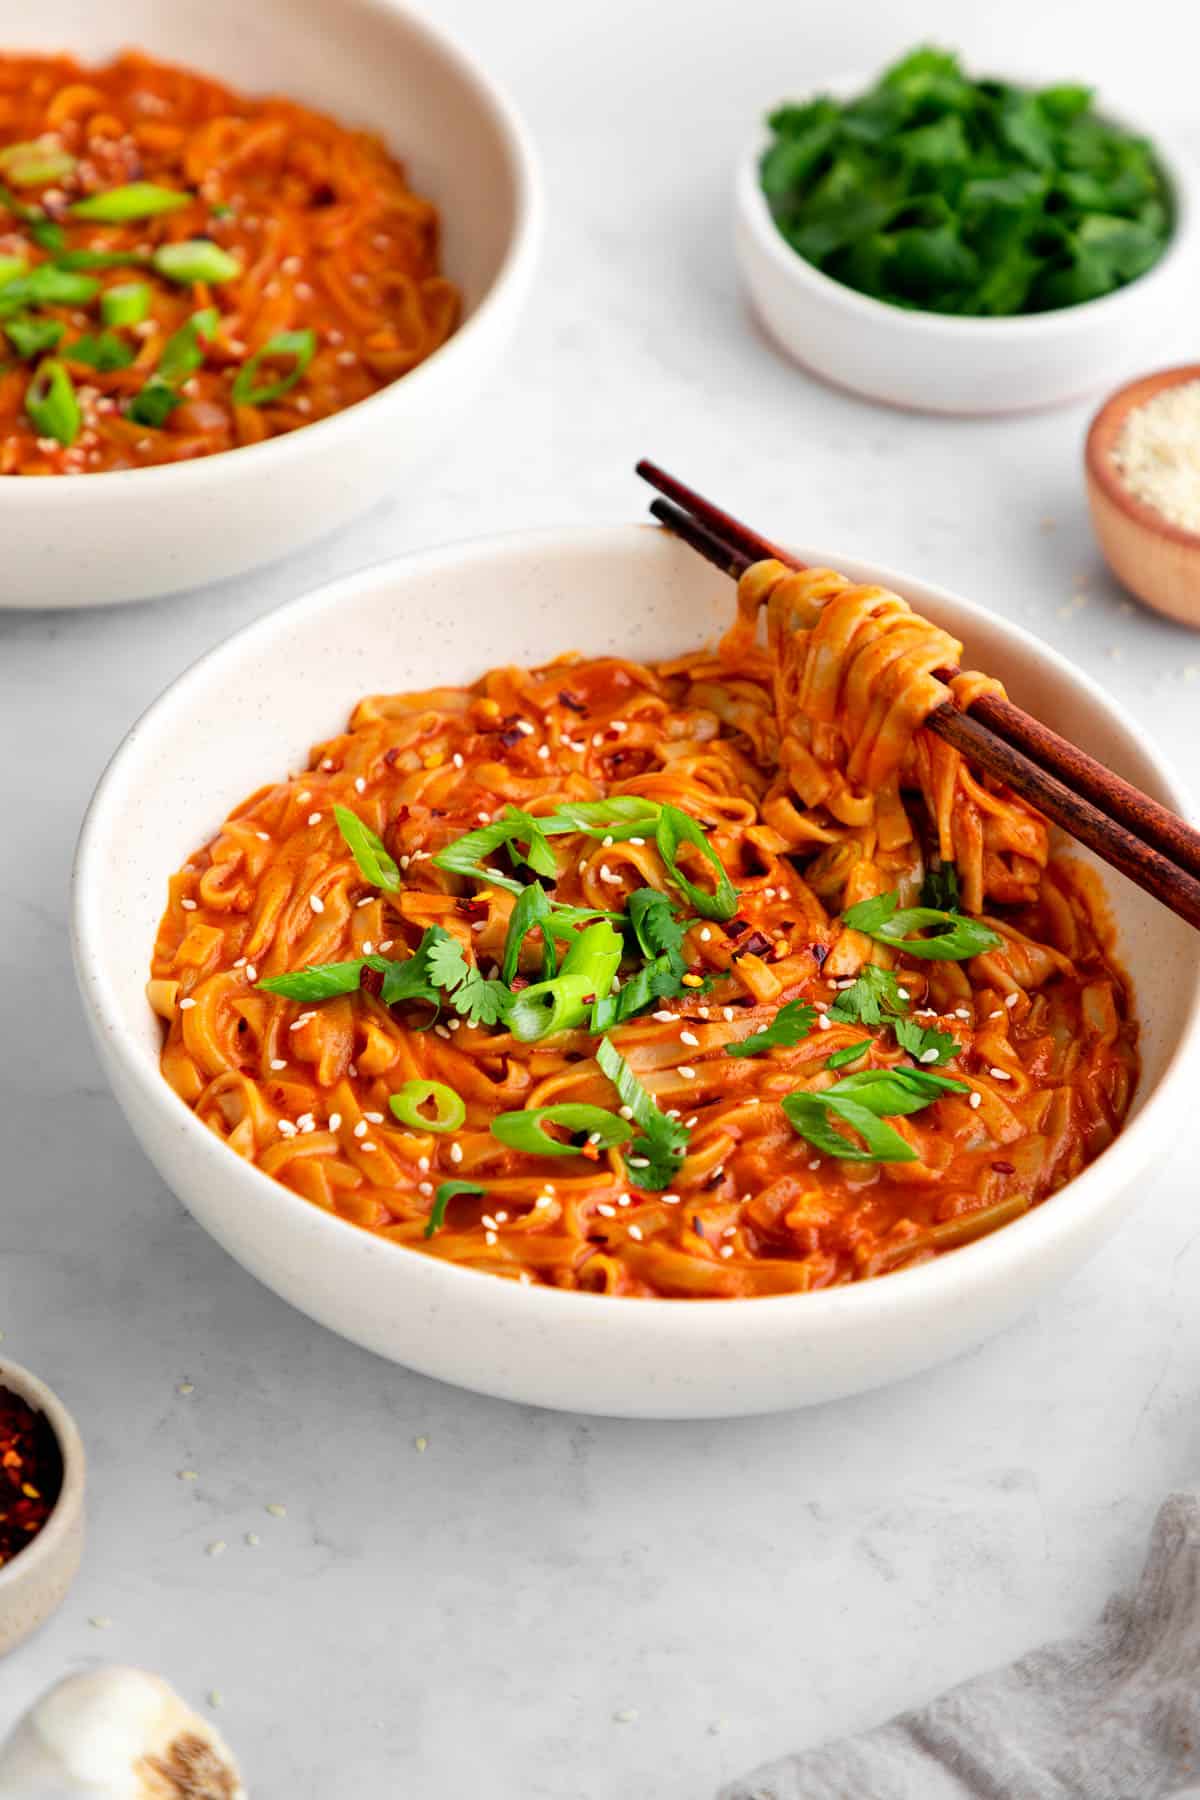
791	1023
652	1159
480	1001
659	979
654	924
920	1040
940	887
873	1000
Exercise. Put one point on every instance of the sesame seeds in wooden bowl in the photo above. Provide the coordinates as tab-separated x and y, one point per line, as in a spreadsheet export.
1142	464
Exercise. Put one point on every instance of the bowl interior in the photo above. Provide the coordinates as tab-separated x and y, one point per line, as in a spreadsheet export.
250	711
366	62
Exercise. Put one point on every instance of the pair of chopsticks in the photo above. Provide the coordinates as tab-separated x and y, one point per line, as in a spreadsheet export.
1124	827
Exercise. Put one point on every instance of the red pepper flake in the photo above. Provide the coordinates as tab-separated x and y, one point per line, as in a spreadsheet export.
391	757
511	737
570	702
31	1473
1005	1168
754	945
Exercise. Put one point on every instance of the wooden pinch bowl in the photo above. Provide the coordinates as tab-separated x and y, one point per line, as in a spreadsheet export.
1155	559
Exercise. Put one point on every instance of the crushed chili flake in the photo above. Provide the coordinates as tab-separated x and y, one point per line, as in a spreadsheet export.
570	702
754	945
31	1473
1005	1168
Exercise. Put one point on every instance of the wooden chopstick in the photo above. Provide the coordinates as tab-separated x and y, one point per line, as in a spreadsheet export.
1147	842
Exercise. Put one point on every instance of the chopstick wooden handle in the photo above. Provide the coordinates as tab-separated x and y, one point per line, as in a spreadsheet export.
1141	862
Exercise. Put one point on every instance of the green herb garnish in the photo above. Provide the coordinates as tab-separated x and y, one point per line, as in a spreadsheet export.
940	887
925	1044
446	1190
36	164
675	828
52	404
791	1023
955	937
31	336
196	259
408	1105
321	981
479	1001
653	1159
526	1130
296	347
182	355
368	850
136	200
563	1002
945	194
532	912
103	351
47	285
860	1101
848	1053
513	828
125	303
874	998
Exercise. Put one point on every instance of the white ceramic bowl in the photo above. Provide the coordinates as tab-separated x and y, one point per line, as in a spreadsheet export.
35	1583
933	363
251	709
89	540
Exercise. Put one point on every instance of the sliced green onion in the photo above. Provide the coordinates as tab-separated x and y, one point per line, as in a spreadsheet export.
809	1115
52	405
532	912
464	855
136	200
955	938
321	981
301	346
47	285
848	1053
562	1003
11	267
46	234
103	351
446	1190
675	828
127	303
526	1130
101	259
154	405
368	850
183	351
449	1110
653	1160
30	336
196	259
36	164
898	1090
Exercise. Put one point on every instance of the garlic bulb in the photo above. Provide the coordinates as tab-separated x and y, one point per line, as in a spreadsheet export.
116	1734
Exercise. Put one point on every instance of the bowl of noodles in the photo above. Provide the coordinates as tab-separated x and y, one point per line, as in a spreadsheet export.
253	273
613	999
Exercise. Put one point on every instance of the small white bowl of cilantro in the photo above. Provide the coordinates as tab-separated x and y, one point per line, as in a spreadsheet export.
958	244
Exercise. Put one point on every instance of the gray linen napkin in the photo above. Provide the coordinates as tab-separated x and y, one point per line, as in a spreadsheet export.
1111	1715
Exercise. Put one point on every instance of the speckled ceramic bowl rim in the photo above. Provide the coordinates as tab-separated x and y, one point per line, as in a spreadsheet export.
52	1538
515	273
1178	167
975	1267
1110	417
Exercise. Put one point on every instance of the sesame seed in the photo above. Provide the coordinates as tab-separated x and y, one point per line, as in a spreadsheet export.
375	1118
186	1387
609	1212
904	993
387	944
251	972
99	1622
368	948
664	1018
317	904
635	1231
727	1014
457	760
425	1187
368	1145
626	1112
525	728
998	1014
423	1164
688	1073
286	1128
706	936
726	1250
265	836
928	1056
1000	1074
543	751
184	1004
360	1130
314	818
335	1120
639	1162
278	1062
815	1163
639	842
440	1031
1011	999
360	784
188	905
962	1012
489	1237
689	1037
823	1023
456	1153
303	795
975	1101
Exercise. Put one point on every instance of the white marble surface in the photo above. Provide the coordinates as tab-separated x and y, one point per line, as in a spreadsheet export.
537	1608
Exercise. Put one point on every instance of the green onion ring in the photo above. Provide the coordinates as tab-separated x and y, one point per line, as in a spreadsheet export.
449	1108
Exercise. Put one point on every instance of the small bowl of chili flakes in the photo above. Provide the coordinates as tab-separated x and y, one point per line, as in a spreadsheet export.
41	1503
